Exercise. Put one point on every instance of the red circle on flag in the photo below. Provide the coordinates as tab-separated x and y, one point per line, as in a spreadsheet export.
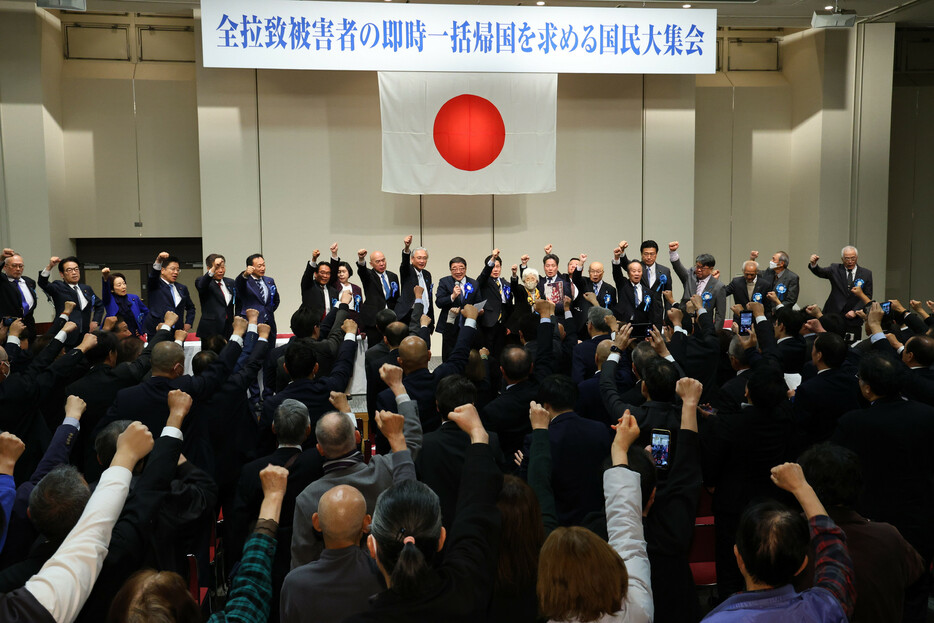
469	132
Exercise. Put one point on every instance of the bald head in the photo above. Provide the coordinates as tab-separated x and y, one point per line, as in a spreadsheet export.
335	435
165	357
414	353
603	351
341	516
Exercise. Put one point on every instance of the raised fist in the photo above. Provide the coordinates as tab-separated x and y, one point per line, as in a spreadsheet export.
69	307
623	245
163	256
361	254
105	272
515	269
54	260
407	241
814	258
673	246
315	255
524	259
547	248
334	249
495	254
753	255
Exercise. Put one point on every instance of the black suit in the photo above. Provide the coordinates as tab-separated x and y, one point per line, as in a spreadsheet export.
470	294
508	413
650	414
738	288
841	300
819	402
409	279
59	293
440	462
374	293
661	274
578	449
699	354
160	300
314	294
12	301
732	393
216	313
894	440
498	308
789	352
606	295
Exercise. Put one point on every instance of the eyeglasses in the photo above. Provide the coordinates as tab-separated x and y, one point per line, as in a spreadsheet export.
73	269
16	265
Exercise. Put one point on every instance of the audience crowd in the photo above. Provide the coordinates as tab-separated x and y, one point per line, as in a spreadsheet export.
550	467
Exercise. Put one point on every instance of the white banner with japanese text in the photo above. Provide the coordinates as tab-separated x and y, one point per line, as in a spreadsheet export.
384	36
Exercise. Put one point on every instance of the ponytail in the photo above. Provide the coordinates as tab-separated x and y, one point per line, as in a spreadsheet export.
409	573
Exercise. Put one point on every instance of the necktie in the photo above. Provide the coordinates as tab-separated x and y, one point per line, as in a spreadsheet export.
424	299
386	290
637	289
176	297
82	302
648	272
849	278
220	284
596	288
264	290
22	295
700	288
499	284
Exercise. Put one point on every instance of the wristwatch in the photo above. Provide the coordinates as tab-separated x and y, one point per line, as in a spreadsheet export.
615	349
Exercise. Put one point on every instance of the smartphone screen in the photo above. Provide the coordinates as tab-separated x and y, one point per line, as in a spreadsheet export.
640	330
745	323
886	308
661	443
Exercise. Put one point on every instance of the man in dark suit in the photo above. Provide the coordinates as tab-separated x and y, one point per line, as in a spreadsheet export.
453	292
498	307
605	293
217	294
507	414
419	382
578	449
733	393
257	291
166	294
820	401
781	336
589	400
17	292
317	293
698	353
380	291
386	351
894	439
701	282
89	311
551	281
583	362
784	282
654	275
637	302
750	286
307	386
292	426
917	356
412	273
843	279
146	402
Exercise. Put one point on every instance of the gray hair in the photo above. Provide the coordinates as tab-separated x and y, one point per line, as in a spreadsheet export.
291	422
736	350
335	432
417	249
846	248
642	355
748	262
783	258
597	317
706	259
56	504
105	444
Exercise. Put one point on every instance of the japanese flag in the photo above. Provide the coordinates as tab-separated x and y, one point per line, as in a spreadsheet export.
468	133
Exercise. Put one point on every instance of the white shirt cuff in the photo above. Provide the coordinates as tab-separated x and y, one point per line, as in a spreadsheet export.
61	336
779	305
210	272
613	357
673	256
491	263
12	339
262	339
163	327
237	339
546	319
171	431
875	337
72	422
568	314
64	316
180	343
336	258
251	328
350	337
760	319
157	265
617	262
670	358
681	330
470	322
45	273
402	398
902	348
702	310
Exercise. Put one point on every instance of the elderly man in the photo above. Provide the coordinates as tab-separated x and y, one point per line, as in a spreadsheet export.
700	282
454	292
749	287
844	279
605	293
784	282
412	273
380	291
17	292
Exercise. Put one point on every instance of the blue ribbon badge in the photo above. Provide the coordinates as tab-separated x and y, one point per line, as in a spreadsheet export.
468	288
393	288
507	292
606	299
272	290
357	299
648	302
757	297
334	303
706	298
663	278
859	283
780	291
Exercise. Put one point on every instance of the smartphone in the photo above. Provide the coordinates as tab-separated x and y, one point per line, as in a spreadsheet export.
745	323
661	444
640	330
8	320
887	308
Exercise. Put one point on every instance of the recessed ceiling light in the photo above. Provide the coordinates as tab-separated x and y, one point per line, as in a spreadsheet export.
829	7
540	3
685	6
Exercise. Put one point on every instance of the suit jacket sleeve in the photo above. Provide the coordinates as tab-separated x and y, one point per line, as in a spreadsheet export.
43	282
867	286
577	278
681	271
539	476
609	392
412	427
484	277
677	508
97	309
443	296
791	294
343	367
544	350
720	300
823	273
214	376
458	358
189	308
405	268
308	277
